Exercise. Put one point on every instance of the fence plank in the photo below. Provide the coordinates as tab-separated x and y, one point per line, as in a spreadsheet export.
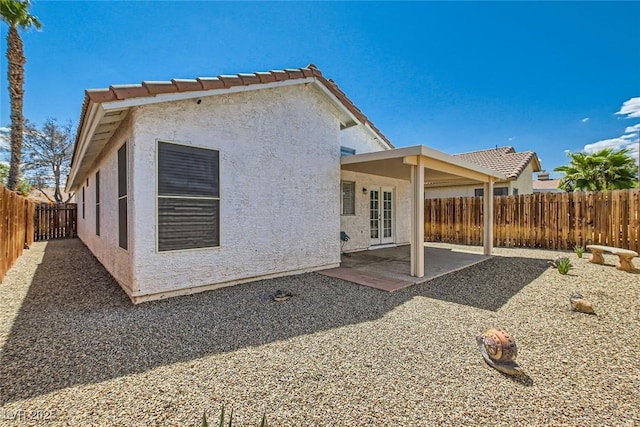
544	220
16	219
55	221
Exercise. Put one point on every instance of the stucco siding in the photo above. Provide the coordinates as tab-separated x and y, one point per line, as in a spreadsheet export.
360	140
357	226
279	186
117	261
524	183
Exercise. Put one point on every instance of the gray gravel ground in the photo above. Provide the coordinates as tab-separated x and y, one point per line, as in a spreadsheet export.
74	351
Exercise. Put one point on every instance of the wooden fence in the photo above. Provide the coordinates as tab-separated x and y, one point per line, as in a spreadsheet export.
55	221
16	227
544	220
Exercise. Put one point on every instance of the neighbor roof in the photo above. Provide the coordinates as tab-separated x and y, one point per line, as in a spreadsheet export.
546	184
503	159
98	124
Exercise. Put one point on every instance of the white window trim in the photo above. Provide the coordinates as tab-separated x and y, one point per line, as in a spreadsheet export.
219	198
342	198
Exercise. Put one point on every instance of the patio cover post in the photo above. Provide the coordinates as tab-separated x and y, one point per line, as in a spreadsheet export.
417	218
488	217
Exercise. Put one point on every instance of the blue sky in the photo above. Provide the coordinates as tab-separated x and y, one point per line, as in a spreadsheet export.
457	76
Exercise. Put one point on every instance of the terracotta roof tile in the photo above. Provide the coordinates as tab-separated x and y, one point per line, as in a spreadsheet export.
230	81
155	88
209	83
501	159
280	75
266	77
249	79
294	74
99	95
129	91
186	85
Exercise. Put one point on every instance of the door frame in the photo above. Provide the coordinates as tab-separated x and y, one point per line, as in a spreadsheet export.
381	240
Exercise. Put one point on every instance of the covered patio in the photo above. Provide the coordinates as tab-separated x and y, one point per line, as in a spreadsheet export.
422	167
388	269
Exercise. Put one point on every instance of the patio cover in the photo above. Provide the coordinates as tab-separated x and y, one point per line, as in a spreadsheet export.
423	166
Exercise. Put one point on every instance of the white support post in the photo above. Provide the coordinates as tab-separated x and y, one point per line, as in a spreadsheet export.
417	218
488	217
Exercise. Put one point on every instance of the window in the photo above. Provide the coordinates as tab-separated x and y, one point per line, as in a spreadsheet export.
497	191
348	199
98	203
122	197
515	191
188	197
82	202
346	151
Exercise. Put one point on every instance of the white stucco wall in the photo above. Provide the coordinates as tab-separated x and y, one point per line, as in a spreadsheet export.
279	187
117	261
357	226
524	183
360	140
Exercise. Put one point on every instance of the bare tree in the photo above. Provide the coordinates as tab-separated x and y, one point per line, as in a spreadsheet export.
47	154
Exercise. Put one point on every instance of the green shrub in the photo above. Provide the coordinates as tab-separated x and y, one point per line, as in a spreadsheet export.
579	250
563	265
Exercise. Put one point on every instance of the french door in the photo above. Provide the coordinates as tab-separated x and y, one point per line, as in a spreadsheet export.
381	215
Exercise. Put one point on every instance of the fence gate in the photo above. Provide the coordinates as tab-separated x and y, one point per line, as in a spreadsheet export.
55	221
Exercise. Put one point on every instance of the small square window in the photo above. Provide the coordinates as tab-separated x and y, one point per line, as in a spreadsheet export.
346	151
348	199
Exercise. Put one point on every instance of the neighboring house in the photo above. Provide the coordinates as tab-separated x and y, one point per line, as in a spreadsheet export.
545	185
47	195
517	167
189	185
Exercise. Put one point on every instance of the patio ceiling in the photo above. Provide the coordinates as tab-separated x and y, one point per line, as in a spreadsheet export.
439	167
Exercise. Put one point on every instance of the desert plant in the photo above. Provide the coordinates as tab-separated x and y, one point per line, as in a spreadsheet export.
563	264
579	250
263	423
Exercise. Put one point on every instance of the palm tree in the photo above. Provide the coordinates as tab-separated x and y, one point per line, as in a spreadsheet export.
607	169
15	13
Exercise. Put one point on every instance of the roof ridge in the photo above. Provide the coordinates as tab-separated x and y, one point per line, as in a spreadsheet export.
508	147
147	88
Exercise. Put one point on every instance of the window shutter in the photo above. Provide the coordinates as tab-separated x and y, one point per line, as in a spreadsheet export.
187	171
348	198
187	223
188	197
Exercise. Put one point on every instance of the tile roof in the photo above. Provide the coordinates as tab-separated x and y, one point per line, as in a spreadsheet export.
502	159
153	88
546	184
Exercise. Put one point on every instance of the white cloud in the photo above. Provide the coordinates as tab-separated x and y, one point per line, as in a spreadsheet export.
631	129
5	134
585	120
630	108
626	141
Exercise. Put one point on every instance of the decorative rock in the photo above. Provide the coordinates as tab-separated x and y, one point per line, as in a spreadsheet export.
282	296
499	350
580	304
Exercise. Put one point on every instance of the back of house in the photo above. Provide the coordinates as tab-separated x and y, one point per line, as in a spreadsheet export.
189	185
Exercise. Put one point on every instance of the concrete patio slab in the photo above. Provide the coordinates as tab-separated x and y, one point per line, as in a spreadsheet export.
389	268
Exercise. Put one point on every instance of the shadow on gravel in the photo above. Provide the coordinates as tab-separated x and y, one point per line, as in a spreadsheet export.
488	285
76	326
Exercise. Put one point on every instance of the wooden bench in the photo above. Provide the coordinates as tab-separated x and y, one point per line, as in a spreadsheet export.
624	256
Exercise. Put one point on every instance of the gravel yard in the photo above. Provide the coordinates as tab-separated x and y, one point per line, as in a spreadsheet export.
74	351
